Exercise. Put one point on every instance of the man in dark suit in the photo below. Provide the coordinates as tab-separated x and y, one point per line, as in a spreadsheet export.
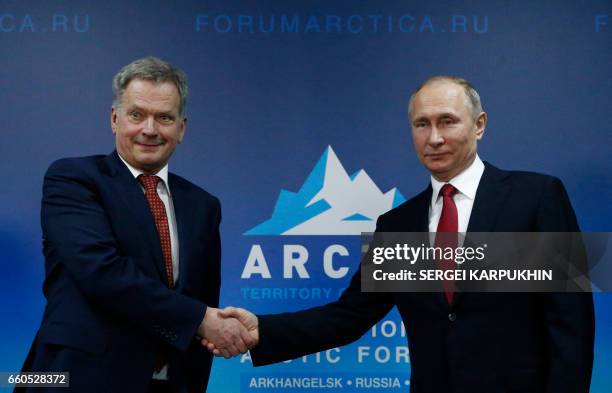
132	254
459	342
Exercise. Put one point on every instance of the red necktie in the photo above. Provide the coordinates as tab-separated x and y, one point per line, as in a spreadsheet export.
161	221
448	223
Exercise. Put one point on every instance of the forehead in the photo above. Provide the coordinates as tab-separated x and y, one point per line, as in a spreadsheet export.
439	97
152	95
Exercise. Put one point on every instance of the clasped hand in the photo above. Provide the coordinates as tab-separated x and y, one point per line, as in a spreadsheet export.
229	332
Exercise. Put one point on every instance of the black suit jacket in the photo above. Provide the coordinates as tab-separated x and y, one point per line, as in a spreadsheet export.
109	312
483	342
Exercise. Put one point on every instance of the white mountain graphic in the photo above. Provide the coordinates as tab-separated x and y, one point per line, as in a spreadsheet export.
330	202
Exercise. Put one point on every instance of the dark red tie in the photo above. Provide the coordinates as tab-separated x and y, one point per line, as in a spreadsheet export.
448	224
161	221
149	182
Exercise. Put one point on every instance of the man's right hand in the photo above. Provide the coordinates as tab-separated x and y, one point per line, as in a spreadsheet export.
245	318
227	336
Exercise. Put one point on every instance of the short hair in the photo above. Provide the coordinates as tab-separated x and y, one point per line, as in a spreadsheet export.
150	69
472	96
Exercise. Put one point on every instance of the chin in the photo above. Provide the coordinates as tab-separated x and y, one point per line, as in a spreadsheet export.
148	163
437	167
149	157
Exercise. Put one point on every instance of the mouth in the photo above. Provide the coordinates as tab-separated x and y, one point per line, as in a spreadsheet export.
436	155
148	145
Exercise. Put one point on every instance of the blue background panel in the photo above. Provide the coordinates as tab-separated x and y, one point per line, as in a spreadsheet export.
268	97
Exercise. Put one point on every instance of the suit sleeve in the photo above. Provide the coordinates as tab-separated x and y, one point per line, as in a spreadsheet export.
290	335
79	238
570	321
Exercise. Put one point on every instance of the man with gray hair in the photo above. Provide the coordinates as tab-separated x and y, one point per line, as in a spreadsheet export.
458	342
132	254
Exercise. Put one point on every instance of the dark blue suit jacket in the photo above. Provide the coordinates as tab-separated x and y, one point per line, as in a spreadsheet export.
483	342
109	312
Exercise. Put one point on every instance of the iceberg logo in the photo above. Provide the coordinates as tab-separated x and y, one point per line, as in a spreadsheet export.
330	202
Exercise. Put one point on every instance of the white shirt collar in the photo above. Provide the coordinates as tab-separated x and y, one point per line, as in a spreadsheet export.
466	182
162	173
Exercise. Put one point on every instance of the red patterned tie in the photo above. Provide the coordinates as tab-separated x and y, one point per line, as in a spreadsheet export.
448	223
161	221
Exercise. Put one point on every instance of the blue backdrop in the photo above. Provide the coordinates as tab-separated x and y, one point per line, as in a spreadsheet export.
273	85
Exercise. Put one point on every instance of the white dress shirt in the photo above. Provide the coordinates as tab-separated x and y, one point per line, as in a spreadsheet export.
466	184
163	190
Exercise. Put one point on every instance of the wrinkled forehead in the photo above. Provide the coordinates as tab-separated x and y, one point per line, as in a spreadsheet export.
151	94
439	97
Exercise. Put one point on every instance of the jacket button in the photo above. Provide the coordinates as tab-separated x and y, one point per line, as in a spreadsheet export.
452	317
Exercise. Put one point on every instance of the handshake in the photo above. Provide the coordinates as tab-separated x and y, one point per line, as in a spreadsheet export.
228	332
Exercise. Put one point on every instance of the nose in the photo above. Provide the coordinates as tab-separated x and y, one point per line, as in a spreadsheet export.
435	137
149	127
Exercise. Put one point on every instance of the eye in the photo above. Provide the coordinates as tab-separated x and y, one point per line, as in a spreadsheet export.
135	115
447	121
165	119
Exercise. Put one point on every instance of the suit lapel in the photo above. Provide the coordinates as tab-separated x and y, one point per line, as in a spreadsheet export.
417	220
128	190
490	198
421	224
181	213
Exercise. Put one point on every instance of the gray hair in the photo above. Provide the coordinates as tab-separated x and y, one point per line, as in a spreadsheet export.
471	95
151	69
